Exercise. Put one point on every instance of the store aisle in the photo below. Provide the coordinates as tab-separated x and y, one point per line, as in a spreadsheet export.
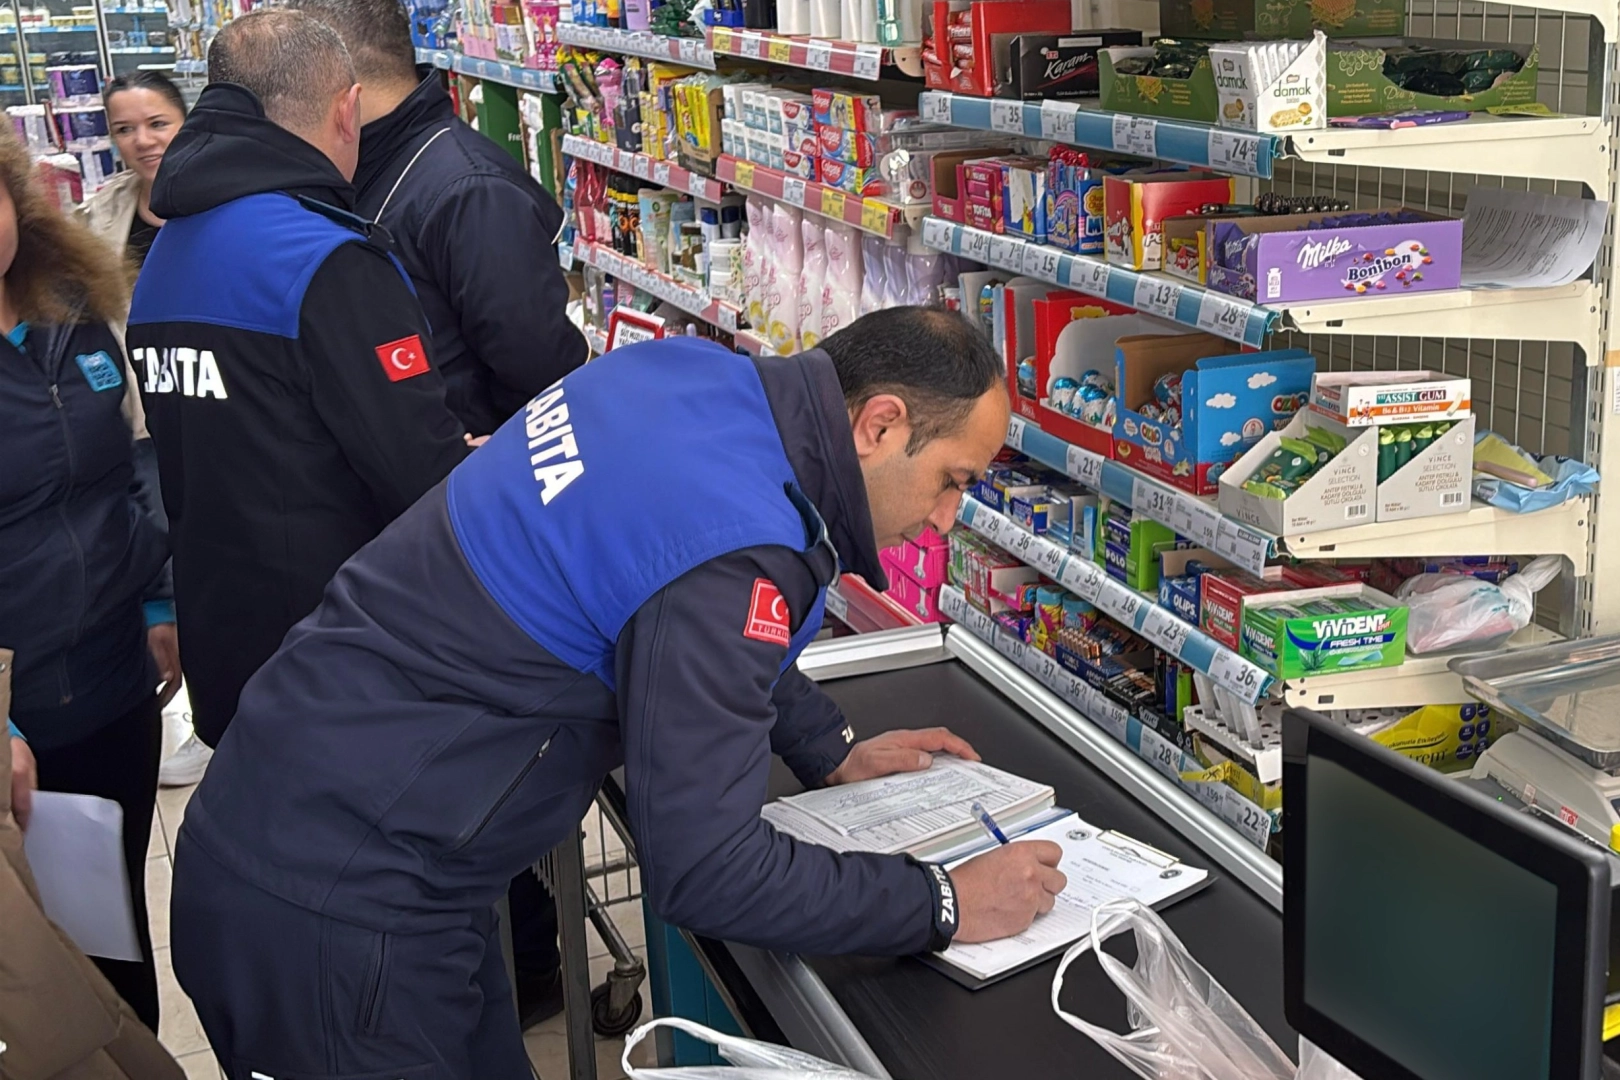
181	1033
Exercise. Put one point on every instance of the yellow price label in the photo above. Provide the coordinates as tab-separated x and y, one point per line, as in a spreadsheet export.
780	51
722	40
832	203
745	174
875	217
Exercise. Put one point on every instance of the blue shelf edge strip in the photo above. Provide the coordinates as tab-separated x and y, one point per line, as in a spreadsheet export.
1121	284
494	70
1181	141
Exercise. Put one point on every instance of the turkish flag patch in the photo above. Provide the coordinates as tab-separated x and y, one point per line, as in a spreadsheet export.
403	359
767	615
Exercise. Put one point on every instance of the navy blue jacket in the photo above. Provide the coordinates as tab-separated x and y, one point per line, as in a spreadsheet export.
78	551
413	744
288	383
478	236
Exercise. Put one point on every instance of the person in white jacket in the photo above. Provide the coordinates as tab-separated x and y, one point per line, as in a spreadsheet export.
144	112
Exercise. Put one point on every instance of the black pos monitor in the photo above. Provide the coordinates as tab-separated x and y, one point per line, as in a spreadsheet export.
1430	932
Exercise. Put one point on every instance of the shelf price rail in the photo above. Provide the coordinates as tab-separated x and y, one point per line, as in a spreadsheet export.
1253	823
663	173
496	71
868	215
688	298
693	52
816	54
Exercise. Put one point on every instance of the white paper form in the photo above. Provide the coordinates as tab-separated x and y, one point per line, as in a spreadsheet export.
900	812
1518	239
75	846
1100	866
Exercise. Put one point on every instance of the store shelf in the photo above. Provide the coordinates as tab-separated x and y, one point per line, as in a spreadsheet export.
663	173
134	11
1159	294
1482	530
142	50
17	88
869	215
492	70
693	52
837	57
1549	148
31	30
693	301
1560	313
1135	610
1255	824
1422	680
1183	141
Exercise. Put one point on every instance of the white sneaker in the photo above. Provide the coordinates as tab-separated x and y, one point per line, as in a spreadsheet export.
186	765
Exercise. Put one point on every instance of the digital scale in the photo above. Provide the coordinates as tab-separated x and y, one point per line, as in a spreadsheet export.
1564	761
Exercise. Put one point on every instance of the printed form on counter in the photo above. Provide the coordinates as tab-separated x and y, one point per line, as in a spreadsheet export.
1516	239
1100	866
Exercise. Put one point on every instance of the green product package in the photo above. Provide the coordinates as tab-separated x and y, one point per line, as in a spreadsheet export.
1357	85
1292	641
1230	20
1148	538
1149	95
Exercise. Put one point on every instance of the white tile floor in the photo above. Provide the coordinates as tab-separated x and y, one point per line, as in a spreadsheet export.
547	1044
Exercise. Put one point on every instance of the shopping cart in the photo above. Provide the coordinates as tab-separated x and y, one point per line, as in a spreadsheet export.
585	884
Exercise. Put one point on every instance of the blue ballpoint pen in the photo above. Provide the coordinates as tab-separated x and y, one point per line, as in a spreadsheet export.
989	824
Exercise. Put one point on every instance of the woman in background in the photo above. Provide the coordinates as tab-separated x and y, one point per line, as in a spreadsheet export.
144	113
83	596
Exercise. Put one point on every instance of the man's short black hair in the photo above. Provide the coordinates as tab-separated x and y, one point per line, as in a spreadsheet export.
934	360
377	32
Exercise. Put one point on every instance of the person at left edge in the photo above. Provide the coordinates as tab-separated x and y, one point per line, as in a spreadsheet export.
283	359
476	232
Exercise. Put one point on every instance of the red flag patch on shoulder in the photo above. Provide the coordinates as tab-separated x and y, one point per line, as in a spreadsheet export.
403	359
768	614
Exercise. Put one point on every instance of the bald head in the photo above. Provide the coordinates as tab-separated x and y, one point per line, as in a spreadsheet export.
295	65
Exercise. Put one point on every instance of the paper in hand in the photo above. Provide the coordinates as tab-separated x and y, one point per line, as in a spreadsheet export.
75	846
1517	239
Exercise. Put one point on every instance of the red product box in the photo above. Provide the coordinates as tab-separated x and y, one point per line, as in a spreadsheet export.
986	18
1136	205
847	109
984	217
1220	602
1053	313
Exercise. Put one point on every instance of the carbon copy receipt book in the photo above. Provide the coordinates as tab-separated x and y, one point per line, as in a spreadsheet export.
925	814
1100	866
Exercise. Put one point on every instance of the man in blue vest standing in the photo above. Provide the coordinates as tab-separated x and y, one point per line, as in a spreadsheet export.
624	574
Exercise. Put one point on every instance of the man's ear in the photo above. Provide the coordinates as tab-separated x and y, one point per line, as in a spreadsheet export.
348	114
880	424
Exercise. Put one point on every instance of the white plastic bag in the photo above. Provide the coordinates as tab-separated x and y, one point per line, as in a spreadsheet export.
1184	1025
1453	611
750	1060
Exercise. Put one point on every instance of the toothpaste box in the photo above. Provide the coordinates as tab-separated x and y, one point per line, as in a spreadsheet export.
797	163
856	147
775	147
847	109
850	178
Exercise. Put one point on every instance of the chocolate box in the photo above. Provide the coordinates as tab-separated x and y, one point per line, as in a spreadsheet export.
1032	67
986	19
1193	98
1134	206
1229	20
1292	263
1356	85
1228	403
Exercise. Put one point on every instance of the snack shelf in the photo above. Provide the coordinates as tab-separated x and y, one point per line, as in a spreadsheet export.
1175	764
834	57
1481	530
663	173
693	52
1421	680
1158	294
693	301
1548	148
1557	313
868	215
493	70
1135	610
1183	141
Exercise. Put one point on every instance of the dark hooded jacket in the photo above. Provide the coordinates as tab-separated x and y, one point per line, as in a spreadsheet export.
289	385
478	236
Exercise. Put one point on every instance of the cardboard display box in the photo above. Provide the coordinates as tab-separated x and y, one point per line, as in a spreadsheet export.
1071	331
1192	98
987	18
1365	398
1357	86
1034	67
1229	20
1228	403
1136	205
1294	262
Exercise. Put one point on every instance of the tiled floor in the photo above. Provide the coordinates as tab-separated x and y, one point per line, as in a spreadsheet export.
546	1043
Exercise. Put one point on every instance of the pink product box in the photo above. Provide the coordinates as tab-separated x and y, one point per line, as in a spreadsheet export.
905	591
927	566
850	178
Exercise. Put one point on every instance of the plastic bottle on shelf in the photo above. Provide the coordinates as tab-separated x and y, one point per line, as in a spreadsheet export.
825	18
874	280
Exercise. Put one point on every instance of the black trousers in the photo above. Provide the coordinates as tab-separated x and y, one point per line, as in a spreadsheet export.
120	762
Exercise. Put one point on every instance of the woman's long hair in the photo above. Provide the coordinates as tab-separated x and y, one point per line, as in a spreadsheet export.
62	271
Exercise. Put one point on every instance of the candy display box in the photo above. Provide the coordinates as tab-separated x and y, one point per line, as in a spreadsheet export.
1289	258
1071	331
1229	20
1228	403
1192	98
1325	632
1364	398
986	19
1357	85
1338	494
1135	206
